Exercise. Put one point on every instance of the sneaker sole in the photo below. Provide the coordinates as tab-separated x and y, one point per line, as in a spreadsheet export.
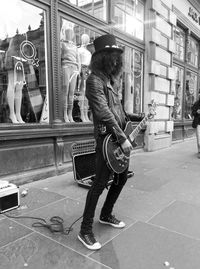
113	225
98	245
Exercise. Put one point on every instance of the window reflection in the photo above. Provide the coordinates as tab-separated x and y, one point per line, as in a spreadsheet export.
180	43
177	109
190	93
76	47
129	17
132	81
193	51
23	91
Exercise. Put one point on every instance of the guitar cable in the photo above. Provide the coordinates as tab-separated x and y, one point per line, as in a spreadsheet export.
55	223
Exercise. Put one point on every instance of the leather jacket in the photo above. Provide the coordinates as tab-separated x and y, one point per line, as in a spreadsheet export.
108	114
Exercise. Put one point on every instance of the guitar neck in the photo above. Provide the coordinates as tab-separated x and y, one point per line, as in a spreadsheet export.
139	127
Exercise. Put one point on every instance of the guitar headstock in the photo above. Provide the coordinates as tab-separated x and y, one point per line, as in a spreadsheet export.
152	109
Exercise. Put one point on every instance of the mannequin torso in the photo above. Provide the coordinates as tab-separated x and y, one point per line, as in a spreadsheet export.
85	57
69	52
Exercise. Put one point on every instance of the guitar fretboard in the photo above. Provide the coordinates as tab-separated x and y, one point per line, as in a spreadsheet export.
138	128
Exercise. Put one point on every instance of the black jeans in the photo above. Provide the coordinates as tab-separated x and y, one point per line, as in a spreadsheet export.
102	177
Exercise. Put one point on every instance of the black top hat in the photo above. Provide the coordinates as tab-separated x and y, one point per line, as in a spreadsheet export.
106	43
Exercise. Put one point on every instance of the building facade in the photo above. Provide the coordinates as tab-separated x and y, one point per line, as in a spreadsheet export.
45	50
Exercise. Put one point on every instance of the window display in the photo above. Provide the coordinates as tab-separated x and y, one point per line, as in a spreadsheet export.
76	45
190	93
76	48
177	109
23	87
193	52
85	57
187	50
70	69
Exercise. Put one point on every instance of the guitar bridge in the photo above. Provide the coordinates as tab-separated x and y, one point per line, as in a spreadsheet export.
119	155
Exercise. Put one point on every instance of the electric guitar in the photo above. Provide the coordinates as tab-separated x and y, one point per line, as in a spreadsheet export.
116	159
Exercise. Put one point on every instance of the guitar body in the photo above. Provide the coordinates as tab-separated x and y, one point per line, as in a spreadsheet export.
116	159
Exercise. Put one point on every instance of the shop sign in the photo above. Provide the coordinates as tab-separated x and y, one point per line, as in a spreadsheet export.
194	15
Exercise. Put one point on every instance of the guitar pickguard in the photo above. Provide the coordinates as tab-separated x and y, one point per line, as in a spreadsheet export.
116	159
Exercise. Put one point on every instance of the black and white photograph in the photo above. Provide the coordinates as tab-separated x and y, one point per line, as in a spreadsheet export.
100	134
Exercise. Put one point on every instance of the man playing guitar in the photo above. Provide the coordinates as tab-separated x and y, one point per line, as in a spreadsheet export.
109	118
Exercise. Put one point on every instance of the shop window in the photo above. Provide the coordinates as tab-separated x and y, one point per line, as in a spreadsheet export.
76	48
190	93
23	83
178	95
76	45
97	8
179	36
129	17
192	52
132	80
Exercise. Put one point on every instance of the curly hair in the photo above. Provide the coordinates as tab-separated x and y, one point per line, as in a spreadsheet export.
110	63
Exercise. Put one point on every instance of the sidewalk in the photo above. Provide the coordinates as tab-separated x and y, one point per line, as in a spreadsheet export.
160	205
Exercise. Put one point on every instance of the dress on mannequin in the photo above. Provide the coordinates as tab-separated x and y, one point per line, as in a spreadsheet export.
70	70
85	57
16	79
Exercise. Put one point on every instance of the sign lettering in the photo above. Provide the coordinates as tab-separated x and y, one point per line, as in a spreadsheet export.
194	15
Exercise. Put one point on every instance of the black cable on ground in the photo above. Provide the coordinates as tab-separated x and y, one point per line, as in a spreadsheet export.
55	223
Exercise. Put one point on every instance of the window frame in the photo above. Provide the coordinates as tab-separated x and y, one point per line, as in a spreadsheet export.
187	67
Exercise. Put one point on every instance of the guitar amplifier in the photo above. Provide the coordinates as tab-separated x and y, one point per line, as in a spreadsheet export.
9	196
83	160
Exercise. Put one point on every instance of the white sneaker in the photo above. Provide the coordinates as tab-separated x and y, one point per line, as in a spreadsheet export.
89	241
111	220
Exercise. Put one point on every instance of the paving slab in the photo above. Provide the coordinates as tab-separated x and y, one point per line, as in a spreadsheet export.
11	231
141	205
144	246
64	185
37	251
155	179
180	217
185	189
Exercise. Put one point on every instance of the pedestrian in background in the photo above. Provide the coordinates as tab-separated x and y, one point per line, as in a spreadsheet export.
196	122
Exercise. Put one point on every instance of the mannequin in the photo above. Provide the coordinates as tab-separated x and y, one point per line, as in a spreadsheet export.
16	80
85	57
70	69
